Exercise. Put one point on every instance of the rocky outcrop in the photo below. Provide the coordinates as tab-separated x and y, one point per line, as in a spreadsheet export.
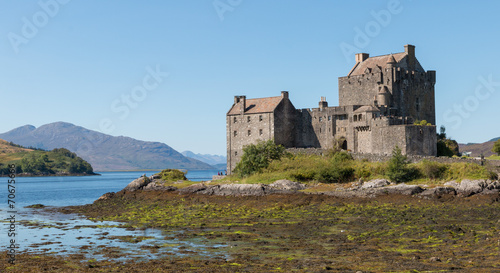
376	183
375	188
470	187
157	186
287	185
106	196
236	190
138	184
438	192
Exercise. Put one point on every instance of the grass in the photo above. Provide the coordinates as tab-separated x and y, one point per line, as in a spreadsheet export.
318	169
494	157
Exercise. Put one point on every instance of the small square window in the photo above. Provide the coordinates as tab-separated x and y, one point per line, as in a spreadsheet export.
260	118
329	118
260	132
235	133
236	153
249	132
235	120
248	119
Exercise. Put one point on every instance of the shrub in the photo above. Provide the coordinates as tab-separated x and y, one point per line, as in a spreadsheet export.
335	174
398	169
170	175
432	170
341	157
258	156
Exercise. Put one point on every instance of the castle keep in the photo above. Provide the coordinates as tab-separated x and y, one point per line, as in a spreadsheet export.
379	101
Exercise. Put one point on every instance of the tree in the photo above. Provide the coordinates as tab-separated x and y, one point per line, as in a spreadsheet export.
496	147
446	146
258	156
442	132
398	169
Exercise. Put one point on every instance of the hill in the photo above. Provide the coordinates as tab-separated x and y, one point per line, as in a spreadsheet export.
103	151
39	162
207	158
479	148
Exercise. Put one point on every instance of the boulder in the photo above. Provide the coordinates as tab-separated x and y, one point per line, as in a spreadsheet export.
235	190
158	186
453	184
376	183
287	185
138	184
492	185
470	187
401	189
438	192
195	188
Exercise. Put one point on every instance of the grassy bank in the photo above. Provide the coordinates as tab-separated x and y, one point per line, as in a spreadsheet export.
340	168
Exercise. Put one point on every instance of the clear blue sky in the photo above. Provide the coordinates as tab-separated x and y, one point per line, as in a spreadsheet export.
89	62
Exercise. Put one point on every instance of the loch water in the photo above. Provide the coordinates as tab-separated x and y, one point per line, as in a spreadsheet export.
40	231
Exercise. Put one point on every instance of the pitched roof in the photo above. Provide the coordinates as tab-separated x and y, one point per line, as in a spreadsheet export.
254	106
372	63
367	108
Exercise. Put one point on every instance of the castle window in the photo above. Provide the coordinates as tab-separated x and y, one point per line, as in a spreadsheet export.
320	119
260	118
249	132
260	131
359	118
248	119
235	133
417	104
355	118
320	129
235	120
329	118
236	153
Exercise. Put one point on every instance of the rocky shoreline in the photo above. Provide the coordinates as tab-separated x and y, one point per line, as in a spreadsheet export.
369	189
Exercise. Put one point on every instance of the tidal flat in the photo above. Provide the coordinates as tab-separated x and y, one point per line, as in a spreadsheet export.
294	233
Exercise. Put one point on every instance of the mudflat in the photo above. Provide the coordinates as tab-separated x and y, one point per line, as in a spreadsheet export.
298	233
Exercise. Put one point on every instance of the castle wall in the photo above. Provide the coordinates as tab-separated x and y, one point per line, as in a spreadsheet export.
359	89
246	129
284	121
415	94
421	140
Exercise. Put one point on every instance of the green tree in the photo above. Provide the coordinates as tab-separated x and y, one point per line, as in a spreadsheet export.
496	147
398	169
258	156
446	146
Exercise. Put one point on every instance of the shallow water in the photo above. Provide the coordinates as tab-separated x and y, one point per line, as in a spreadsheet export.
43	231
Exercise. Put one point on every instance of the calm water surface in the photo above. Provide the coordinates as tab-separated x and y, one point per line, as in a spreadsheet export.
38	231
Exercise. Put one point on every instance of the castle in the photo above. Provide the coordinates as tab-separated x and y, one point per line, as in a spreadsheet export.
379	101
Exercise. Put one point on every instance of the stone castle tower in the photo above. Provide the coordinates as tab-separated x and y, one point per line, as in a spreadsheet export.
380	99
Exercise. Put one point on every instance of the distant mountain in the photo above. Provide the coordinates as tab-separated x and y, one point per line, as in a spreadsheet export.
495	139
477	149
207	158
103	151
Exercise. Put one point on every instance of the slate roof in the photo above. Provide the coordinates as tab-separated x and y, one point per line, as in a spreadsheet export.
367	108
254	106
373	63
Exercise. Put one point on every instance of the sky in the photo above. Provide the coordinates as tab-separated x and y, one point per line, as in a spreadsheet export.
168	71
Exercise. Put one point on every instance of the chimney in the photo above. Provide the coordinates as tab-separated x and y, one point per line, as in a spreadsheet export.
284	94
410	51
323	103
360	57
243	101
